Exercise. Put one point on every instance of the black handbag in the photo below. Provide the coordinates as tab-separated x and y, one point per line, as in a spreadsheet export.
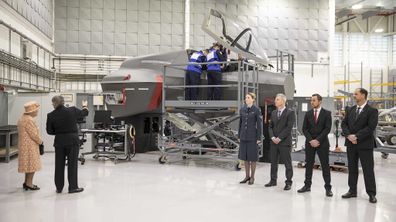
41	148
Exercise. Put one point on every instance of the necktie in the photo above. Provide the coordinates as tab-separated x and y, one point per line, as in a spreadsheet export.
316	116
279	114
357	112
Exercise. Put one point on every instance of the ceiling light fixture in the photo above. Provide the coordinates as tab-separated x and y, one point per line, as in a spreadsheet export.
358	6
379	4
379	30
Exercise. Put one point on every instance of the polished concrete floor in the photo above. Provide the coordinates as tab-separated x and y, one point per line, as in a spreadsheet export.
143	190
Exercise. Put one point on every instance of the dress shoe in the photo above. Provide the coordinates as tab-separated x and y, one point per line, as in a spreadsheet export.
251	181
349	195
34	187
77	190
245	180
304	189
287	187
372	199
270	184
329	193
58	191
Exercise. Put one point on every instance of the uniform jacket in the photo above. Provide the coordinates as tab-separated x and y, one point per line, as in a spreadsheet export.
250	124
214	56
196	57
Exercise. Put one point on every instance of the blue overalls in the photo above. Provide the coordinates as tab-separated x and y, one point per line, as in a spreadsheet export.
214	75
193	75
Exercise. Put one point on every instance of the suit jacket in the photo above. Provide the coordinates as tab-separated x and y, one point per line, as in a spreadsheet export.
62	122
363	126
250	124
282	127
319	130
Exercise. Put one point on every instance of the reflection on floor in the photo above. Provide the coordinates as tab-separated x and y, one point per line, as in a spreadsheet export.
143	190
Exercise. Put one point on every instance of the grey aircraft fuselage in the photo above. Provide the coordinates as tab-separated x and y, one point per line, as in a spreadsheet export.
140	81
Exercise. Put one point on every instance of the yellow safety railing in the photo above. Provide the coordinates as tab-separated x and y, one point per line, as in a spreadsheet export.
339	82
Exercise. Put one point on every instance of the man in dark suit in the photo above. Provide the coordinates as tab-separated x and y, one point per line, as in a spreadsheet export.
281	125
316	128
358	127
62	122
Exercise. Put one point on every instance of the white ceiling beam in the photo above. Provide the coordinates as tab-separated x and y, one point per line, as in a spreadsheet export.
359	26
376	24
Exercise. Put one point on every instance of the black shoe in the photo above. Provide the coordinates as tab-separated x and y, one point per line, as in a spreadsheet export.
77	190
251	181
372	199
349	195
58	191
270	184
329	193
304	189
245	180
287	187
26	187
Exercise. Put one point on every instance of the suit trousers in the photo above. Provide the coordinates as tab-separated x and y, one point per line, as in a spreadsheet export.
367	161
71	152
284	152
323	154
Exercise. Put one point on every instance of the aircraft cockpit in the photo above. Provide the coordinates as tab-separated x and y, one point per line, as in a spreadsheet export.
234	35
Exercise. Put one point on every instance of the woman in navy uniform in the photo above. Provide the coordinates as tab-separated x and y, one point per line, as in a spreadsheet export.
249	134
